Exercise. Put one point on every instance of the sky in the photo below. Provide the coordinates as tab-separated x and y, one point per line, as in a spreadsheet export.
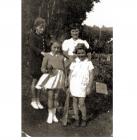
101	14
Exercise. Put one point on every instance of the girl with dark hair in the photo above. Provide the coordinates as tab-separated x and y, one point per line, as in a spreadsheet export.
80	81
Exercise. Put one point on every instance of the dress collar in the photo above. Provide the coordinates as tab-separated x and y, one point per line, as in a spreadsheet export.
78	60
51	53
74	40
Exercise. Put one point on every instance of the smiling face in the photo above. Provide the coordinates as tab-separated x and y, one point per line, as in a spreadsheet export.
81	53
40	29
75	33
55	48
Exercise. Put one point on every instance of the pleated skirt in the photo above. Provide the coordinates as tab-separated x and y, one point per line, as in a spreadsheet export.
52	81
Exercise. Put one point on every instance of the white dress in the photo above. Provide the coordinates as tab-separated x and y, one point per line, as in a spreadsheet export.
80	76
70	44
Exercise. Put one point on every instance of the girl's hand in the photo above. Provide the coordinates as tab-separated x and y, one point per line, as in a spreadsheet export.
46	71
88	91
43	53
50	69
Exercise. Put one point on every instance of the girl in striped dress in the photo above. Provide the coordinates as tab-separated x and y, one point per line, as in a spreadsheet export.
53	78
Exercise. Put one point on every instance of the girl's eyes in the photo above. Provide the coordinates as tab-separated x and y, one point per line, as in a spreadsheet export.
56	47
80	53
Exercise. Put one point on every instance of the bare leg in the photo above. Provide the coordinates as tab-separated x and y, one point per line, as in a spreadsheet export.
55	106
34	94
56	99
38	99
50	106
82	108
50	99
75	108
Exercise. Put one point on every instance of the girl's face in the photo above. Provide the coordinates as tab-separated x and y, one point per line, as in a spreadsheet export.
55	48
81	53
40	29
75	33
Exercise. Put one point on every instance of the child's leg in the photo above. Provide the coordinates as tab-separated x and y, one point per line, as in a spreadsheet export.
50	106
50	99
38	99
55	105
75	108
82	108
56	94
33	92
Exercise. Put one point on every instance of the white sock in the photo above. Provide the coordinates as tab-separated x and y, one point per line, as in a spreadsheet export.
54	115
50	115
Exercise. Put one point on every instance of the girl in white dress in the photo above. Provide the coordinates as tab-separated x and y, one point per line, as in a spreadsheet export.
53	78
81	78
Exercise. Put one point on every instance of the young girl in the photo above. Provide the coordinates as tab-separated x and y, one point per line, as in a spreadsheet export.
53	78
81	78
37	49
68	47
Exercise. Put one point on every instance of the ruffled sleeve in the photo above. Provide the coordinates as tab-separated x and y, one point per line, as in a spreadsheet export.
65	45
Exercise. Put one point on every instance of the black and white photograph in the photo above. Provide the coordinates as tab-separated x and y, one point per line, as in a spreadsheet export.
67	69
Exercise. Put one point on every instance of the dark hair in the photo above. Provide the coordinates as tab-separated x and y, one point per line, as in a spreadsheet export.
80	46
75	26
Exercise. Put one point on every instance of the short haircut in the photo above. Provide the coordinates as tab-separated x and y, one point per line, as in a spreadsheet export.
38	21
80	46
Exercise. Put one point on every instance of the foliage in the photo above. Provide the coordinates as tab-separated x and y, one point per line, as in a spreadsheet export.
98	38
59	14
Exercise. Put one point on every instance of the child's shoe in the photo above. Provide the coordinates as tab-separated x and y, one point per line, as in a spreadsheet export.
50	116
55	119
83	123
34	105
40	106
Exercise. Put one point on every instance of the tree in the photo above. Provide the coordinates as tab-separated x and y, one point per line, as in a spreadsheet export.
59	14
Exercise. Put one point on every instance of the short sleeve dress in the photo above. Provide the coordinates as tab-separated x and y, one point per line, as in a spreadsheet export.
80	76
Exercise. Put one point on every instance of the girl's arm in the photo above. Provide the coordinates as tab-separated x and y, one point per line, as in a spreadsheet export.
89	86
34	45
65	54
91	77
44	64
